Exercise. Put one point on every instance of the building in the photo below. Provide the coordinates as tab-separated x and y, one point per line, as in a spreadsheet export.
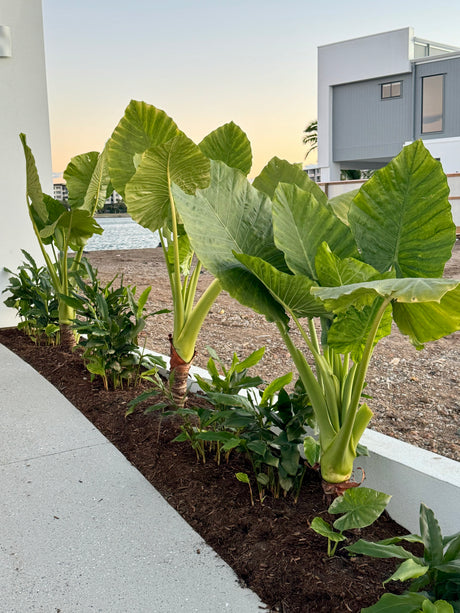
381	92
113	204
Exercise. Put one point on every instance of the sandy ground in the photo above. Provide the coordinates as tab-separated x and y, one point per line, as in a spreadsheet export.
415	394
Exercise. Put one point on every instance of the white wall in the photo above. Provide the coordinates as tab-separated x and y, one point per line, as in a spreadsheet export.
336	188
23	108
355	60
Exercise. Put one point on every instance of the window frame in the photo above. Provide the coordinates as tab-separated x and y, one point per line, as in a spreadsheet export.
391	96
443	90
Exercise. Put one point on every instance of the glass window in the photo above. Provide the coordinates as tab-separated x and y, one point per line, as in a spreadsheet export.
432	103
391	90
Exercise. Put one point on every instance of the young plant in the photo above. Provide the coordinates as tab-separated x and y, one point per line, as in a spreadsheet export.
265	428
285	253
32	295
230	380
243	478
60	228
435	575
360	508
109	323
148	153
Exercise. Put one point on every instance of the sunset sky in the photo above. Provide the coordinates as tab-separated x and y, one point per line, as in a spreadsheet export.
207	62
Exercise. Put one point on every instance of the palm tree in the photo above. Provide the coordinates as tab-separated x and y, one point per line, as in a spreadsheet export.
311	136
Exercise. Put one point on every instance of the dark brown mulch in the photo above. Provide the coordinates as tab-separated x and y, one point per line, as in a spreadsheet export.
270	546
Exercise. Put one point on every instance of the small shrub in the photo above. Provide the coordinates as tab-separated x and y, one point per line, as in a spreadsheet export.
32	295
109	322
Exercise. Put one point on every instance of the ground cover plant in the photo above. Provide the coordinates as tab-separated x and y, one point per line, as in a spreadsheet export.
384	264
32	294
435	576
109	319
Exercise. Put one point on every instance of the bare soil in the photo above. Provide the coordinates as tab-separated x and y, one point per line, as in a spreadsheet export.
415	394
270	547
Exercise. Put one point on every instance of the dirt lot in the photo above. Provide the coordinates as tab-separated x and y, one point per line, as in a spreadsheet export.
415	394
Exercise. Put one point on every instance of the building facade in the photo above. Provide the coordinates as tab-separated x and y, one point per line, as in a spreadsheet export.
381	92
23	108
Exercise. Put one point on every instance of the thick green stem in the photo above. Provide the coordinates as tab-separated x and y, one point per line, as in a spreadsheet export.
179	311
191	290
186	340
313	388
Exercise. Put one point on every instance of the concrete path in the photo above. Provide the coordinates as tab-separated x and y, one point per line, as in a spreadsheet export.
81	530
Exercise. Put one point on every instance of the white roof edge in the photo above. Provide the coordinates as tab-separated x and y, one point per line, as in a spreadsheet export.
349	40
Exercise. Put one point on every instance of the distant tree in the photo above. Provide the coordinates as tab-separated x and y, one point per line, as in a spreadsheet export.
311	136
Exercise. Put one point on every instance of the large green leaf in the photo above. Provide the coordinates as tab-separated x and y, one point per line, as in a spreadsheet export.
360	507
401	217
280	171
291	291
143	126
341	204
147	193
78	224
429	321
87	178
350	330
301	224
231	216
34	190
332	271
410	291
78	176
230	145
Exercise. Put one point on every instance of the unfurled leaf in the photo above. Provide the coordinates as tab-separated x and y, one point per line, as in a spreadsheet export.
361	507
230	145
147	194
409	569
341	204
292	292
350	330
237	219
401	603
143	126
280	171
332	271
301	224
275	386
401	218
324	529
409	291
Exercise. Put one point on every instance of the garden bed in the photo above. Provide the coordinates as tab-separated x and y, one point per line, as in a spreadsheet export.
270	546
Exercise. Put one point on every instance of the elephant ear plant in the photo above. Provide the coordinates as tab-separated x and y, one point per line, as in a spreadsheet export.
278	247
60	227
147	153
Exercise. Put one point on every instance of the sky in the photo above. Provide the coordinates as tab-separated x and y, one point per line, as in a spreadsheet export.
207	62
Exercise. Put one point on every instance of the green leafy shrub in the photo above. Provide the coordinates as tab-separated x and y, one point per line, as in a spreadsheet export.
434	576
109	322
266	426
32	295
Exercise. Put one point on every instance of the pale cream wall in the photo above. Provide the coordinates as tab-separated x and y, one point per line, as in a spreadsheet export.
23	108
